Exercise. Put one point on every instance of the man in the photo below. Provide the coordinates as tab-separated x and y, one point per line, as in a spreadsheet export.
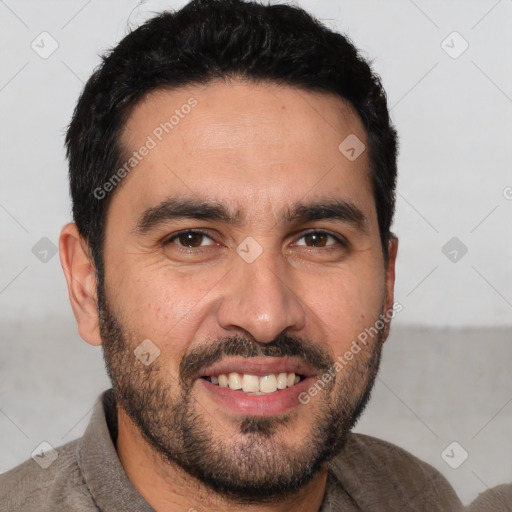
232	171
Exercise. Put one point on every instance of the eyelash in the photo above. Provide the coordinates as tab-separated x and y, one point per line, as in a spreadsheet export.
338	238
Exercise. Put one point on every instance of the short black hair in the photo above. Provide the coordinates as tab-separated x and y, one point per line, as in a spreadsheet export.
208	40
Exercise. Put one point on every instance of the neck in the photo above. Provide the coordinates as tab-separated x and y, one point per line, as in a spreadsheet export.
167	487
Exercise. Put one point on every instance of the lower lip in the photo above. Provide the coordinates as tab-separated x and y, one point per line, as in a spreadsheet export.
245	404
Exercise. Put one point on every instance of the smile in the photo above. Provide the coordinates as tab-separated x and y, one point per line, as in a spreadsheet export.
254	384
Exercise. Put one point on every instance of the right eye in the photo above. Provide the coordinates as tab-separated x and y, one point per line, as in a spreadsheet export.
190	239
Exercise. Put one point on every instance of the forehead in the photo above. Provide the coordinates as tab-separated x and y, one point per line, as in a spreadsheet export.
258	146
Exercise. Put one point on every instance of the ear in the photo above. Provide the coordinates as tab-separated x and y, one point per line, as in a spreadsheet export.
81	280
390	283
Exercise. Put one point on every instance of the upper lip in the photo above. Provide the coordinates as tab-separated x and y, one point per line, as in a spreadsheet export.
259	366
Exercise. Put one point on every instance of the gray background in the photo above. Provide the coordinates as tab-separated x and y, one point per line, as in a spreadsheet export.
445	374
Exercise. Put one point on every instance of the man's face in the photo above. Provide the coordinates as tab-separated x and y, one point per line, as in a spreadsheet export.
282	270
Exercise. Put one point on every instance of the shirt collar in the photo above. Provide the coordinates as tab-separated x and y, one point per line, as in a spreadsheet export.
99	463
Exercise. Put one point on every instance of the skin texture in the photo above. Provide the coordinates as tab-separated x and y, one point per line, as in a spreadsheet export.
257	149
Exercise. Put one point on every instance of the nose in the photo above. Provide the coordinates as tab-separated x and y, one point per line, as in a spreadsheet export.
259	300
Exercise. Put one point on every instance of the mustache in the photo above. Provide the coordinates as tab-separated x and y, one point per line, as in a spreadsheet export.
199	358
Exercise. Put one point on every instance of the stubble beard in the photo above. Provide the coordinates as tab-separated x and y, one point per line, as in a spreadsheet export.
254	466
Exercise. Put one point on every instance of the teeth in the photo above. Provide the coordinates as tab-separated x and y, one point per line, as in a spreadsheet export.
254	384
268	384
223	380
250	383
282	381
235	381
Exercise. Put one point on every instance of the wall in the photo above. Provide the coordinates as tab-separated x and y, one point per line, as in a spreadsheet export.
454	117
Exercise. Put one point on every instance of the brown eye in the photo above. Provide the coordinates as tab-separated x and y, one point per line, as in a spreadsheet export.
318	239
190	239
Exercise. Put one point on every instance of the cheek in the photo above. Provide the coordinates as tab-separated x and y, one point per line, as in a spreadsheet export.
164	305
347	302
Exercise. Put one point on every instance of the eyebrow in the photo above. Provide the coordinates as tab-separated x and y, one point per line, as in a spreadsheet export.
175	208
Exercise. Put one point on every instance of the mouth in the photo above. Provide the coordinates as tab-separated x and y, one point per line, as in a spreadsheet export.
256	386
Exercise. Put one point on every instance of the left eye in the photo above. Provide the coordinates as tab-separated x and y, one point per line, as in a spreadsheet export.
318	239
191	239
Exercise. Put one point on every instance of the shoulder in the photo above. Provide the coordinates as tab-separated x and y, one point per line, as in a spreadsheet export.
30	487
372	469
497	499
369	450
